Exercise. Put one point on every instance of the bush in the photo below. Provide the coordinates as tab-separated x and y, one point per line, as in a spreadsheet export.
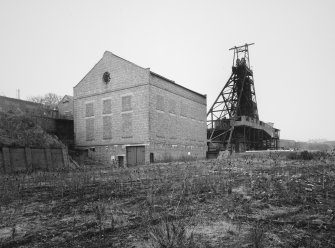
292	156
257	235
304	155
21	130
170	234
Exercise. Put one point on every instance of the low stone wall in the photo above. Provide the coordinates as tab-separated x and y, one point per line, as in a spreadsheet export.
25	159
282	154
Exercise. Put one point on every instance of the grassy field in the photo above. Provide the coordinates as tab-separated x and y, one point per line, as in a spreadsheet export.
245	202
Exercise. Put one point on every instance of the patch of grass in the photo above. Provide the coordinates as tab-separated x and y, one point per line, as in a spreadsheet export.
163	204
257	235
308	155
170	234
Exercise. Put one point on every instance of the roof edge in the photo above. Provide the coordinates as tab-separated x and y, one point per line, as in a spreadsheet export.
173	82
108	52
151	72
87	73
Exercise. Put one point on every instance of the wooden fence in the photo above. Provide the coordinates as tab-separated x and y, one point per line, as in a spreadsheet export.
26	159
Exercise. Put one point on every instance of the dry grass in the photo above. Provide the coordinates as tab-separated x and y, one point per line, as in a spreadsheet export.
162	204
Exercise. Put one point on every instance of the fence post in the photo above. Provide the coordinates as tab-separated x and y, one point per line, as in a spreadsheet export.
6	160
48	157
29	159
65	158
2	164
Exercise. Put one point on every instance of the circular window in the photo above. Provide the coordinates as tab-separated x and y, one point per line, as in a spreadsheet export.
106	77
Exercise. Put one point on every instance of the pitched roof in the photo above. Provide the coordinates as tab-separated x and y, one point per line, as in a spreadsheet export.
151	72
158	75
66	97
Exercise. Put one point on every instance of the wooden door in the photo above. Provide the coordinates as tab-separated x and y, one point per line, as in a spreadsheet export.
140	155
135	155
131	156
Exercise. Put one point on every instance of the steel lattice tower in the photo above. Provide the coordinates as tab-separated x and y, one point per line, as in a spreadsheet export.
236	103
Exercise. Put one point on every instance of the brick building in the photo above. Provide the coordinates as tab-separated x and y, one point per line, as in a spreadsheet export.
65	107
129	114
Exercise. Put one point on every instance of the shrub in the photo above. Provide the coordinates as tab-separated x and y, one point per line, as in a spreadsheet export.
170	234
257	235
22	130
305	155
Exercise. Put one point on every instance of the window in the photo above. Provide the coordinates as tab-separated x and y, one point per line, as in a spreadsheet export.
173	127
89	109
183	110
90	129
107	127
162	125
126	103
160	103
127	125
107	106
172	106
192	113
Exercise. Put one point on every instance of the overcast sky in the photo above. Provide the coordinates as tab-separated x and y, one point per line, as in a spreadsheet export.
49	46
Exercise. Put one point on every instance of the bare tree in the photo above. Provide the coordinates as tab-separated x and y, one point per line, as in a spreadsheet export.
49	100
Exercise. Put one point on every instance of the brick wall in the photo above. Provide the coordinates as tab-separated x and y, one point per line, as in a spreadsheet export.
177	121
123	74
129	126
108	154
127	97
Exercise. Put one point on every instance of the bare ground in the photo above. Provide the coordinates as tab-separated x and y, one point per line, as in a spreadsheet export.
231	203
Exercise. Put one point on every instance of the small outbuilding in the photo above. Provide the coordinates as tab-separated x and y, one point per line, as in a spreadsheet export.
65	107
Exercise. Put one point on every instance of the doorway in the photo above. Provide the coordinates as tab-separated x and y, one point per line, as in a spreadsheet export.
152	160
120	161
135	155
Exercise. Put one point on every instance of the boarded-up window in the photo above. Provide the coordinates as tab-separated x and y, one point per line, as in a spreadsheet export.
183	110
89	109
194	131
162	125
107	106
172	106
90	129
126	103
200	132
127	125
192	113
160	102
187	129
173	127
107	127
